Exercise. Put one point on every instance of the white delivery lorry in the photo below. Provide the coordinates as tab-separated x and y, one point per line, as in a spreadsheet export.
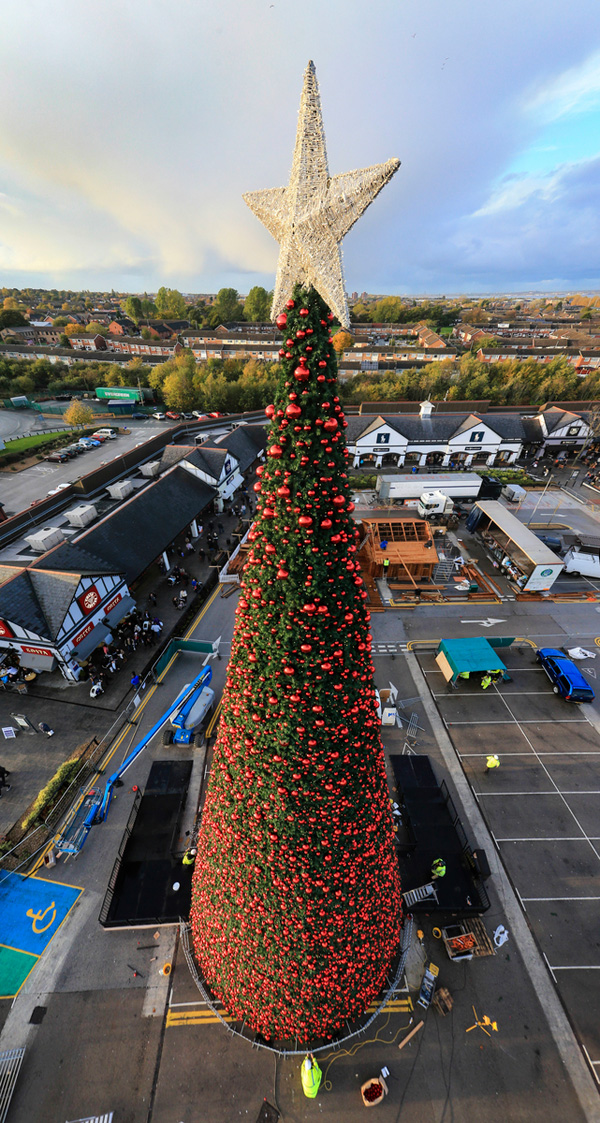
582	560
408	488
434	504
514	493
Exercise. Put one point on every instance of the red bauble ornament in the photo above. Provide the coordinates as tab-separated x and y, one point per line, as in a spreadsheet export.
293	410
275	451
331	425
305	520
270	410
302	374
290	303
304	311
281	320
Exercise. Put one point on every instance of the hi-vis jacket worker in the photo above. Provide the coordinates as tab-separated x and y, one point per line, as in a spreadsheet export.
311	1076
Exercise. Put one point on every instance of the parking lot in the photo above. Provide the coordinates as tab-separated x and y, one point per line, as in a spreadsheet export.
543	808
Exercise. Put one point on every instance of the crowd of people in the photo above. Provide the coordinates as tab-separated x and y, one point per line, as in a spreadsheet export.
138	629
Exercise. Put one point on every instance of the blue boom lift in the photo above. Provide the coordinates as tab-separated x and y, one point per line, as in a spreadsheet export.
95	805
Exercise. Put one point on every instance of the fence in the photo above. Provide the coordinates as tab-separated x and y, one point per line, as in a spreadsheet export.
112	881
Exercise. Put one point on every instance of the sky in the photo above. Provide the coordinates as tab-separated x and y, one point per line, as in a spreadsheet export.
129	130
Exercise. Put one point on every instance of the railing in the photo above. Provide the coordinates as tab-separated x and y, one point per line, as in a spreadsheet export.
112	881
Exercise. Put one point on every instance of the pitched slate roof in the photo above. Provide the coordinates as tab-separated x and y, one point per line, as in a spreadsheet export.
556	418
19	603
244	442
132	536
55	592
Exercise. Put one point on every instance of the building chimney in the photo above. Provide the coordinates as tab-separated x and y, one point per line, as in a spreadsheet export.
426	409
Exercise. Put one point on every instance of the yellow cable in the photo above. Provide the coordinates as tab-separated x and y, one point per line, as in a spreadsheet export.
377	1040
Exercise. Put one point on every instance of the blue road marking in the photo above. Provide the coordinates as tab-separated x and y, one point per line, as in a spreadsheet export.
31	911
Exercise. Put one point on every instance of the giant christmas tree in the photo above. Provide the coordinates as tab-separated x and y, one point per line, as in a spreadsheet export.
296	907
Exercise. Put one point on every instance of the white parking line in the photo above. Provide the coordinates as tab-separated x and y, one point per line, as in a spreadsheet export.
578	967
553	899
492	794
535	721
575	838
557	752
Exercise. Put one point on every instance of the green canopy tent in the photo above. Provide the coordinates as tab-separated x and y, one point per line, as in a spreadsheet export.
471	655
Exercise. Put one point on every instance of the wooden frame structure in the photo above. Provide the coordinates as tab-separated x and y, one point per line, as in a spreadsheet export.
409	548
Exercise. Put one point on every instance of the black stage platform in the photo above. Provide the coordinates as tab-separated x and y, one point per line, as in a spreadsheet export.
430	829
141	889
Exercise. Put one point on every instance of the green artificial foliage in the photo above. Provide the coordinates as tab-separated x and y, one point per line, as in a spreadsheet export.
296	909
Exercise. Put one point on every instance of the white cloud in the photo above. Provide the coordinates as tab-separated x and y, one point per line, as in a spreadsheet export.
576	90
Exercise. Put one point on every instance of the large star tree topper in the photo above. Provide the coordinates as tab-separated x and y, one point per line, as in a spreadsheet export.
312	214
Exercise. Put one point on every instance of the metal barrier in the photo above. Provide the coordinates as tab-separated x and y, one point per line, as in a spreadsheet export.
297	1050
112	881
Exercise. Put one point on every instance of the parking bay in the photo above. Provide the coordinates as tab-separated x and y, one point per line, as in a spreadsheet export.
543	808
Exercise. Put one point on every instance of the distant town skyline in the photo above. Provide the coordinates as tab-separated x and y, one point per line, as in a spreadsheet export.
129	133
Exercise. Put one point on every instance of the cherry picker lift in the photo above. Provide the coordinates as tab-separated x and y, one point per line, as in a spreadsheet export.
187	714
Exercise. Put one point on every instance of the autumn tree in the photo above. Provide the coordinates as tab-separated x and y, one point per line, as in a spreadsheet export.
78	415
342	341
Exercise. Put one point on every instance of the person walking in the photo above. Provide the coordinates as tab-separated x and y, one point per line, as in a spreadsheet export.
3	774
491	762
386	566
189	857
311	1076
45	728
183	597
438	869
135	680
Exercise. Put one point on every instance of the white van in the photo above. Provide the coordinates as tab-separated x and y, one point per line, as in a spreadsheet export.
110	434
582	560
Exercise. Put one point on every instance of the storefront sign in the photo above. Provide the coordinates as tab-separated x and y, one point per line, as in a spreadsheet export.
89	600
86	631
112	604
6	631
42	651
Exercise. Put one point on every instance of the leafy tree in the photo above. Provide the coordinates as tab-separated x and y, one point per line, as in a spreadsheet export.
10	318
133	308
257	305
296	908
149	309
10	304
78	414
170	304
227	308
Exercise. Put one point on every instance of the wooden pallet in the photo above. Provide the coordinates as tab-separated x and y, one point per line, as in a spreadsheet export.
484	945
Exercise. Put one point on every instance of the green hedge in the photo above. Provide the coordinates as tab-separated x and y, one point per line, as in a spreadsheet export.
52	792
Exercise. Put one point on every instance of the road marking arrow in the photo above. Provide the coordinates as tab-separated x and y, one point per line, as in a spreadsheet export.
489	623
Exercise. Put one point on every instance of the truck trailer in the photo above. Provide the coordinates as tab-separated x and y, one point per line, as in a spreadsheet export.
408	488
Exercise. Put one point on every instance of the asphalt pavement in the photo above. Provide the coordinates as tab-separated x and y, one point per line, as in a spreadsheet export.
116	1037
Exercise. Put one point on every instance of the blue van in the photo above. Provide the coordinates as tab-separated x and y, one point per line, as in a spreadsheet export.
567	680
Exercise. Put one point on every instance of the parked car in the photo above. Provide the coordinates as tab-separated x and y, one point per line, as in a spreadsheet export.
200	416
139	416
57	457
172	415
89	442
159	416
57	489
567	680
188	416
98	437
72	450
107	434
552	541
